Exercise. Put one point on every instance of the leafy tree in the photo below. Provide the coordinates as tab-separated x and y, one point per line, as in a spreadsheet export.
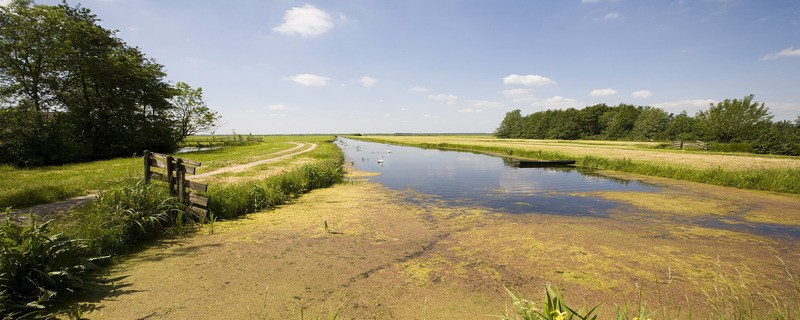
190	111
778	138
682	127
510	126
734	120
651	124
619	121
85	84
590	117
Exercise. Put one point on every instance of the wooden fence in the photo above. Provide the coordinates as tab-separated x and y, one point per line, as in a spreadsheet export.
174	174
679	144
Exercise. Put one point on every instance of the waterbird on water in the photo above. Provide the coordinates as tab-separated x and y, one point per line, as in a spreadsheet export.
380	160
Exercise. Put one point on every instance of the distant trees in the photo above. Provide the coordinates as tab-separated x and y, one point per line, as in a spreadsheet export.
71	90
733	120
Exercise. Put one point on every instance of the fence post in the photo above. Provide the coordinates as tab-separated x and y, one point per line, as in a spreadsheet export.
146	166
180	175
681	144
170	174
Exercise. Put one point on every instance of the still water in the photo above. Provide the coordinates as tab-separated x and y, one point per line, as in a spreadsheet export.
464	178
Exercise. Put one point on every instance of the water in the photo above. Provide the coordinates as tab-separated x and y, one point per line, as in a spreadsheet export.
462	178
474	179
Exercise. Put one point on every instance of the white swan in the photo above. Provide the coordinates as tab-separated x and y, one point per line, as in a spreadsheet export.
380	160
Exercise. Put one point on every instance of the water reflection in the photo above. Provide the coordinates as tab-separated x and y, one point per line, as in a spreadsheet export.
477	179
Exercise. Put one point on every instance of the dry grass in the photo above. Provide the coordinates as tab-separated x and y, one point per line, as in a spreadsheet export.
619	150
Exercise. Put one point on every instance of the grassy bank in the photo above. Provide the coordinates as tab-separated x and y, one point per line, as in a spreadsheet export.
39	262
22	187
785	180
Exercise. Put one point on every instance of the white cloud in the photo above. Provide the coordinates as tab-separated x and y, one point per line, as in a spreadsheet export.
790	52
690	106
528	80
642	94
279	106
368	81
431	116
449	98
307	21
611	16
603	92
486	104
559	101
519	95
310	80
470	110
418	89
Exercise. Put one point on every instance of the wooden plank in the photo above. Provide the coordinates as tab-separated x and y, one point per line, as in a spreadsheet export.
158	163
196	186
191	163
199	211
158	155
188	169
198	200
159	176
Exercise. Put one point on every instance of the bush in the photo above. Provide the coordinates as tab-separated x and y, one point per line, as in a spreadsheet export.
35	266
730	147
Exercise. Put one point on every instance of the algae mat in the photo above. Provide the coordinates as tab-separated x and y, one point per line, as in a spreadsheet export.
382	257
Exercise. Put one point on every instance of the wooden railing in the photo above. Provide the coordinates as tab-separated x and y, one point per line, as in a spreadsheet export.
679	144
174	174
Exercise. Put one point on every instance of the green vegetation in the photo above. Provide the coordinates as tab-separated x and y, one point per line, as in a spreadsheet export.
780	180
73	91
732	120
43	260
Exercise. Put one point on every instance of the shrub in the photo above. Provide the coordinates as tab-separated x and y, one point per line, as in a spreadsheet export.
35	266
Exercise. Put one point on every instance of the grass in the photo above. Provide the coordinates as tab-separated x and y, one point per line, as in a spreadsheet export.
42	260
786	180
21	187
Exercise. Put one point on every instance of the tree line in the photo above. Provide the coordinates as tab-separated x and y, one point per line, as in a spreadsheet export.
742	121
71	90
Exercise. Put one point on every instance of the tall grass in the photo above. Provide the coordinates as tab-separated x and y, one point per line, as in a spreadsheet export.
779	180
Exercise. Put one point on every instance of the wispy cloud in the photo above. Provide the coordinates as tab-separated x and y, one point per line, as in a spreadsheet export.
612	16
603	92
418	89
690	106
276	107
310	80
4	3
528	80
368	81
519	95
307	21
482	104
558	101
790	52
642	94
470	110
449	98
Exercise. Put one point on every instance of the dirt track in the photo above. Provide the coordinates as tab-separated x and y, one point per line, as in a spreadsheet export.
44	211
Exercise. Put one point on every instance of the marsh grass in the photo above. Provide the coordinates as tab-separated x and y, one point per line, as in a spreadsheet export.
778	180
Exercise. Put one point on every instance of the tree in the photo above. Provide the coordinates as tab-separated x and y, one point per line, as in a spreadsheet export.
682	127
734	120
510	126
190	112
651	124
619	121
59	63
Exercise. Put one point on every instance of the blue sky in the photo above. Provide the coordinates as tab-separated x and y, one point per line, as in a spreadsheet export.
458	66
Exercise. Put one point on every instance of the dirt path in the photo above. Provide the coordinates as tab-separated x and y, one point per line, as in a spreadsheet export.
45	211
382	257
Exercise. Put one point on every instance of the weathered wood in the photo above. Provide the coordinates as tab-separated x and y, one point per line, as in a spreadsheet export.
158	155
159	176
199	211
701	145
191	163
170	175
180	176
158	163
197	186
146	156
188	169
198	200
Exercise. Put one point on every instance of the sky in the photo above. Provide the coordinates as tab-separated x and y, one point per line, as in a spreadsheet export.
445	66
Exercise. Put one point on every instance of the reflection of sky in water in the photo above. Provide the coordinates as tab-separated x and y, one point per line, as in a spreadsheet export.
462	178
483	180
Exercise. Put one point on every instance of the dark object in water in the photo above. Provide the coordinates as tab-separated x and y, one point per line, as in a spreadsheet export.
539	163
